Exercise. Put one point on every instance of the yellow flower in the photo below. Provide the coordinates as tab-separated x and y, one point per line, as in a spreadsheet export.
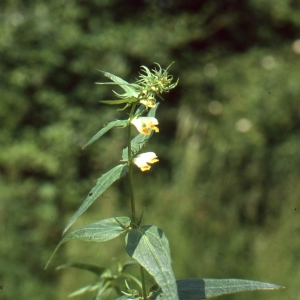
144	124
142	160
149	102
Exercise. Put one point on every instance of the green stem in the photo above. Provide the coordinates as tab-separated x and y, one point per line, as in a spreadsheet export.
132	202
134	220
143	282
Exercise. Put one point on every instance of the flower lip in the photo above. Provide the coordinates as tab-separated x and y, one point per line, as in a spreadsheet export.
142	160
144	124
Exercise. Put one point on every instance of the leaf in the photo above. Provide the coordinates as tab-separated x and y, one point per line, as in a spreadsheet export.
139	141
140	110
137	144
88	267
114	102
117	123
152	111
101	231
105	181
124	297
150	247
193	289
85	289
203	288
131	92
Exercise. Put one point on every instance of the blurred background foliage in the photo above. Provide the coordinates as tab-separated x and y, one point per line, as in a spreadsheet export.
226	190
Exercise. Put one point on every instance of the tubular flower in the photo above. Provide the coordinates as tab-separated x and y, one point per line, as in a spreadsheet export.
144	124
142	160
149	102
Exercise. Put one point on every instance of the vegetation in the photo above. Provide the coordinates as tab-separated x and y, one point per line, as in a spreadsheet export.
229	159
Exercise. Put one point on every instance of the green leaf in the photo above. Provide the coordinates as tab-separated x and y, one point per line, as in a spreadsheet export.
101	231
150	247
85	289
114	102
105	181
88	267
139	141
152	111
137	144
140	110
196	288
117	123
127	297
203	288
131	92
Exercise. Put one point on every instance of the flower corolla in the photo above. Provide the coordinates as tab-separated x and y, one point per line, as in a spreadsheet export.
149	102
143	159
144	124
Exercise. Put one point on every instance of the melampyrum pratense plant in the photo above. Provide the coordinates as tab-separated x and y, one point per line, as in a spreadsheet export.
147	245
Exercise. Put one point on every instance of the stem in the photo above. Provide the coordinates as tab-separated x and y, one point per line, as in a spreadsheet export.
143	282
134	220
132	202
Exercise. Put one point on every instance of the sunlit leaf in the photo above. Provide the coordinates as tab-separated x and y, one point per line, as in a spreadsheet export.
150	247
101	231
117	123
203	288
103	183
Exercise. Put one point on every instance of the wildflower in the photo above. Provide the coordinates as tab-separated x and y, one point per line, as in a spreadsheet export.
149	102
144	124
142	160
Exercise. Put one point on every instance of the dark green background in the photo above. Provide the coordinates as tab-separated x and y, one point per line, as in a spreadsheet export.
226	189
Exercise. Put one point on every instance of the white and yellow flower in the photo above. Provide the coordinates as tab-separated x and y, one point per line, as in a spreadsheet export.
144	124
143	159
149	102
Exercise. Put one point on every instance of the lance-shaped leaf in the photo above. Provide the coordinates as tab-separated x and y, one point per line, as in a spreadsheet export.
101	231
88	267
152	111
104	182
119	101
139	141
128	298
85	289
203	288
140	110
127	87
150	247
117	123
